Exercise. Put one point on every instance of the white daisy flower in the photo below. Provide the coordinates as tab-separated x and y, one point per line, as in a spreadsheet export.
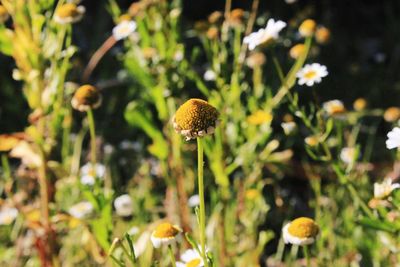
311	74
124	29
90	173
194	201
384	189
81	210
123	205
288	127
8	215
348	155
333	107
134	230
301	231
210	75
190	258
69	13
270	32
393	140
164	234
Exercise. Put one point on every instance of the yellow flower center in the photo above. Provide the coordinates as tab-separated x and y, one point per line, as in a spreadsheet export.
166	230
322	35
360	104
312	140
303	228
392	114
124	17
193	263
7	142
68	10
296	51
336	109
252	194
307	28
259	117
310	75
87	95
196	115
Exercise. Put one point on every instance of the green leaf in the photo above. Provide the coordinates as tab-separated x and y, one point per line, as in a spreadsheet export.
6	44
379	225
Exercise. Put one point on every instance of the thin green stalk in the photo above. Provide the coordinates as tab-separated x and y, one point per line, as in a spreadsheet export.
201	195
171	254
307	255
130	256
6	167
92	137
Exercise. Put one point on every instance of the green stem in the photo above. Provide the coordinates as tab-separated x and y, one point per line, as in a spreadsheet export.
307	255
92	137
171	254
6	167
201	195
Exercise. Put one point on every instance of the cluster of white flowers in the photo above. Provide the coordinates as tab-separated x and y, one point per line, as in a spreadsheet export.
90	173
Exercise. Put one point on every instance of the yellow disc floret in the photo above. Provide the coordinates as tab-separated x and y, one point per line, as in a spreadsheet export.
392	114
195	118
307	27
193	263
259	117
303	227
67	10
296	51
87	96
166	230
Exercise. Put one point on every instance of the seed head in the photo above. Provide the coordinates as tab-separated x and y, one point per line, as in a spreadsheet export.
87	96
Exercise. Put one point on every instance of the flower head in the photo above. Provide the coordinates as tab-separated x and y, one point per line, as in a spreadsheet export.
296	51
190	258
393	140
333	107
384	189
3	14
348	154
360	104
311	74
195	118
262	36
288	127
255	59
123	205
81	209
8	215
194	201
307	28
312	140
165	234
392	114
124	29
86	97
322	35
259	117
69	13
90	173
301	231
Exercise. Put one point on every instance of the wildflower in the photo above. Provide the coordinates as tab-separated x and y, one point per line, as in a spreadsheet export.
360	104
252	194
384	189
296	51
209	75
164	234
333	107
69	13
190	258
89	173
301	231
393	140
348	154
259	117
194	201
8	215
288	127
215	17
81	210
255	59
322	35
311	74
124	29
123	205
235	17
195	118
307	28
312	140
86	97
269	33
135	8
27	153
212	33
392	114
8	142
4	16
